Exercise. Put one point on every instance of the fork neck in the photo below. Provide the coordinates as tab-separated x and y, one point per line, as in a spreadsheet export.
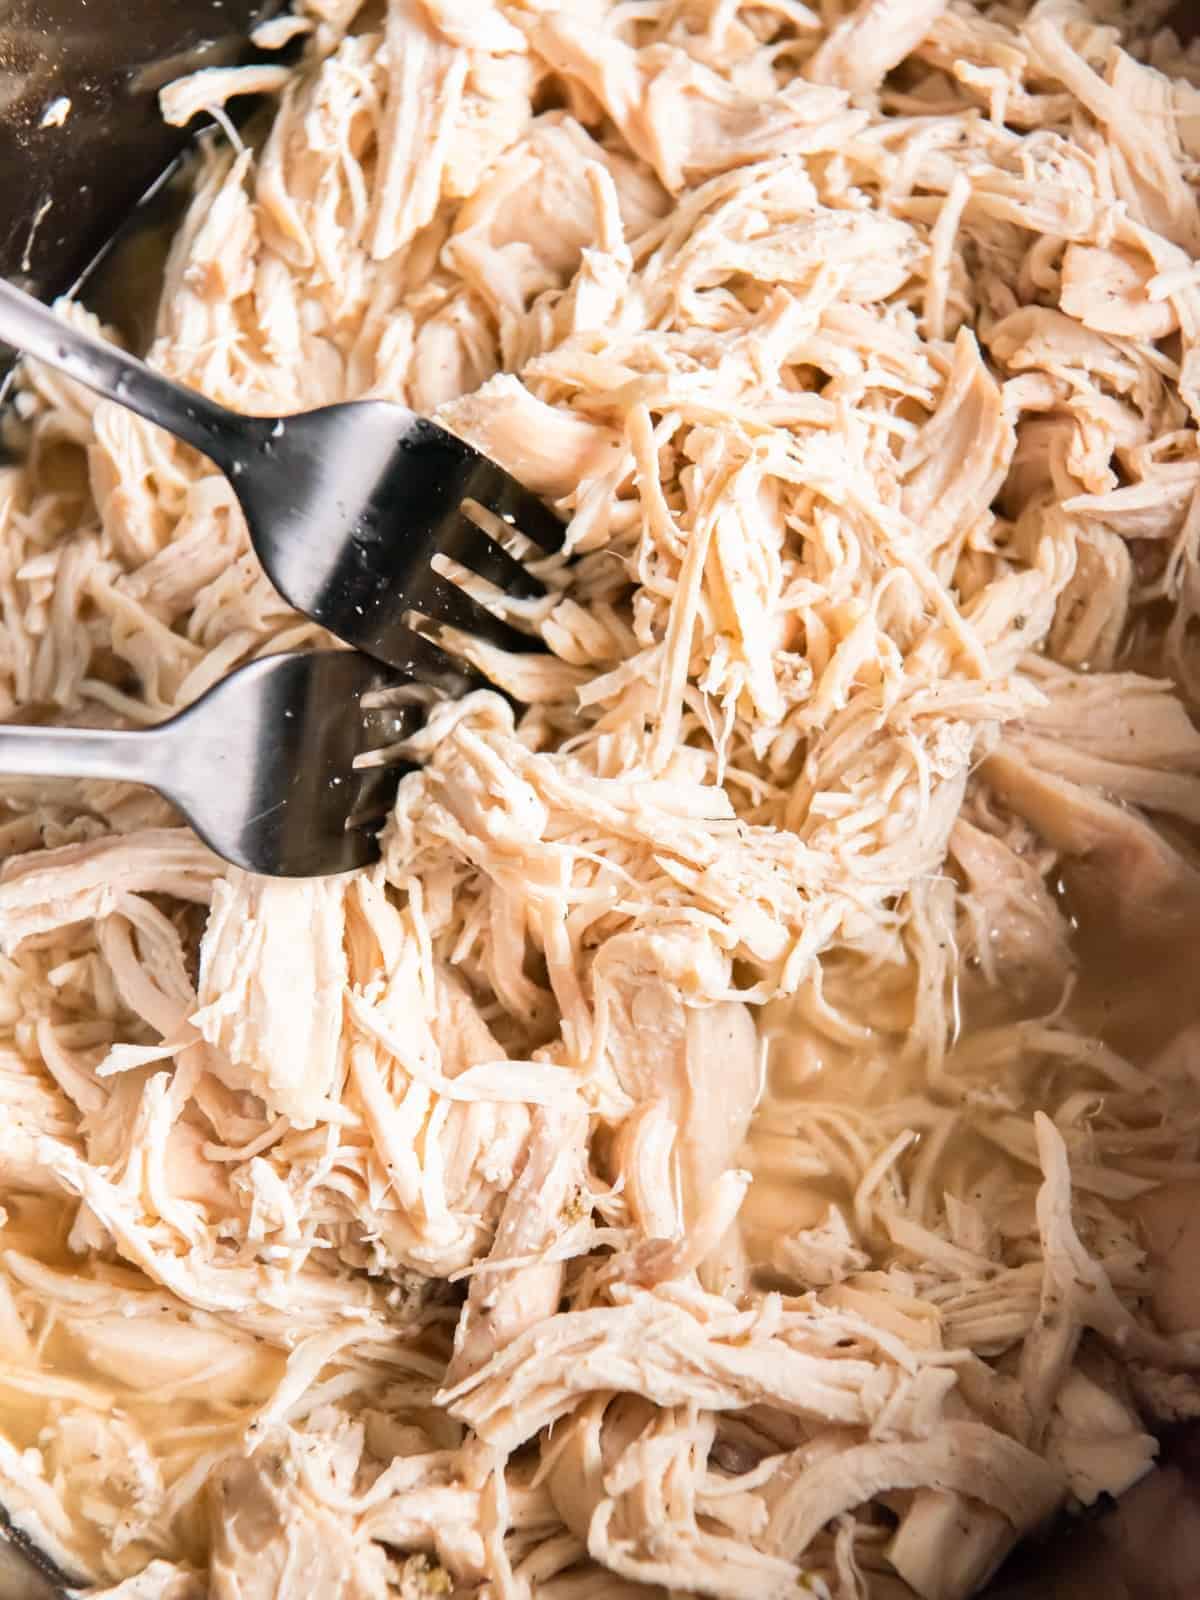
224	436
228	439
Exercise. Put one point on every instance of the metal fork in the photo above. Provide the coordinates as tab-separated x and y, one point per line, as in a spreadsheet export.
347	506
263	765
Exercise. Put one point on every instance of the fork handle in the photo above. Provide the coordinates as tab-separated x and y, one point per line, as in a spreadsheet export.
219	434
125	755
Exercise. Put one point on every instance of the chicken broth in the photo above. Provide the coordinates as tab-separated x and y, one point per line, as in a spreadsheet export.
835	1098
115	1389
742	1139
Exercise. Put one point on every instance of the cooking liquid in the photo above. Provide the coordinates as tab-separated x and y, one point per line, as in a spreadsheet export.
1138	997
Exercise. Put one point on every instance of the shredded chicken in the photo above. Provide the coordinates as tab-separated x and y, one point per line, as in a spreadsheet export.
742	1139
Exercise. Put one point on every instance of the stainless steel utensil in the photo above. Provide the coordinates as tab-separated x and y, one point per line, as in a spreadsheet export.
263	765
347	506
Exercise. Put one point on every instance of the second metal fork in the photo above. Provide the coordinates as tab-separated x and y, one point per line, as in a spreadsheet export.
283	767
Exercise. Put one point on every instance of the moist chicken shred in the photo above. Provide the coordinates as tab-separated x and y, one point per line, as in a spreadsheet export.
741	1139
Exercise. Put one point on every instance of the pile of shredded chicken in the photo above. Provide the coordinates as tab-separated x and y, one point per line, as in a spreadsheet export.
743	1139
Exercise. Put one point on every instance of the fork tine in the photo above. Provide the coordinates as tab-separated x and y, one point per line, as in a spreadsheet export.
375	793
516	505
384	726
471	547
444	601
417	657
